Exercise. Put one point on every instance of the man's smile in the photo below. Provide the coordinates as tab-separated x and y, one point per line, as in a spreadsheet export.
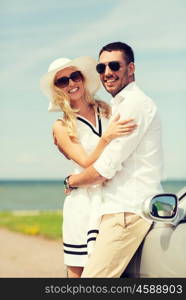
110	81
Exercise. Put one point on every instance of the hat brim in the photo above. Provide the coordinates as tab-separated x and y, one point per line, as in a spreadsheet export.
85	64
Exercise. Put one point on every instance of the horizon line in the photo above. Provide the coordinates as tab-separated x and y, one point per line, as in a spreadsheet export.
60	179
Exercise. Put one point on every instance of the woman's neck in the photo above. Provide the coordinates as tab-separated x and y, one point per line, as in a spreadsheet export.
83	107
85	110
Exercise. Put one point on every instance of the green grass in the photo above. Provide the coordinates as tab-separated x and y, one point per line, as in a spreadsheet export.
45	223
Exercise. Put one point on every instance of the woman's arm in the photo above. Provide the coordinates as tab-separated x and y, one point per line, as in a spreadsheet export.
75	151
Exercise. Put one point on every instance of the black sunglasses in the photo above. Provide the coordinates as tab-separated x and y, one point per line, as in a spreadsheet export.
64	81
113	65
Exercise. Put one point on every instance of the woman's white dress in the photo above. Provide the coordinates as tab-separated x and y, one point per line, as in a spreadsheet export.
81	208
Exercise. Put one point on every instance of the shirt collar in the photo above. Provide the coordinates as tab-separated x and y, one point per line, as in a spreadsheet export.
122	94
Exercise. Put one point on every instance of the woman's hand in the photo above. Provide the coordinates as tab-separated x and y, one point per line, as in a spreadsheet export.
118	128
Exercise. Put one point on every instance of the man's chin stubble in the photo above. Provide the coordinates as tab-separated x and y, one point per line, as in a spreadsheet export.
113	93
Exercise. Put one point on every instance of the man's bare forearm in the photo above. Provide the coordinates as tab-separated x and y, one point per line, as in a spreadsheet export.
88	177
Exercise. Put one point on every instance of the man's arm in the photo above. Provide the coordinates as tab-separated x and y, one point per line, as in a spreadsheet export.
88	177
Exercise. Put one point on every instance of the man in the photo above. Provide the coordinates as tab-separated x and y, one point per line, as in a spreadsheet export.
130	167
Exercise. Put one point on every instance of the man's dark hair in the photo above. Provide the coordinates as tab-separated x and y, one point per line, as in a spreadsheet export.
128	53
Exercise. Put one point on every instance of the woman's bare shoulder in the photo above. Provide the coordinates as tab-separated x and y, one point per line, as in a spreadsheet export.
59	124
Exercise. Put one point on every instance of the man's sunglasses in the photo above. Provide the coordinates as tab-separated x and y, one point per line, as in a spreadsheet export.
64	81
113	65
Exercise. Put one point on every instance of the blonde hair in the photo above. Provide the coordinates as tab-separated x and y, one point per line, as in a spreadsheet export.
69	114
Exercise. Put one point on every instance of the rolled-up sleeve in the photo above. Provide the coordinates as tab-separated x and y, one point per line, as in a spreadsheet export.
143	112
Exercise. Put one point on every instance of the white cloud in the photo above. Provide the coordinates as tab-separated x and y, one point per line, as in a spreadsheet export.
167	76
26	158
30	6
173	164
147	25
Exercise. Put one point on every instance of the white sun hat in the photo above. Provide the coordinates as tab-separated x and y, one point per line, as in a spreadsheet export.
85	64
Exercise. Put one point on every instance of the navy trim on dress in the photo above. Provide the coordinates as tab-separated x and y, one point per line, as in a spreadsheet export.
76	253
93	231
75	246
90	125
91	239
99	122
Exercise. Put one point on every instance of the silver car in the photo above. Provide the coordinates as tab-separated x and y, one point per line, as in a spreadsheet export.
163	251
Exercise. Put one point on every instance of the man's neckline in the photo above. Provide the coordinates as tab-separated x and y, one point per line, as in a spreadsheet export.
120	96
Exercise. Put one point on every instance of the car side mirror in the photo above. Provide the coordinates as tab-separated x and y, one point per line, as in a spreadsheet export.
162	207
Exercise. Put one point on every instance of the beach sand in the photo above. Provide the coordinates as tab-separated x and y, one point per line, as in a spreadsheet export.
30	256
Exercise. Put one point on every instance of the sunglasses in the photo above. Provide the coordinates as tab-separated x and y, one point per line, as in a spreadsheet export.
113	65
64	81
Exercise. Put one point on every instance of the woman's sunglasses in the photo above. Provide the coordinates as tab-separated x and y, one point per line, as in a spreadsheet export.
64	81
113	65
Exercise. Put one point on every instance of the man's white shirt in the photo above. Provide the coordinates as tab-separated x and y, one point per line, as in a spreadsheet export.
132	163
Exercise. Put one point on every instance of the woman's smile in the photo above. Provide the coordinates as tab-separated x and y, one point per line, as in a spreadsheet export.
73	90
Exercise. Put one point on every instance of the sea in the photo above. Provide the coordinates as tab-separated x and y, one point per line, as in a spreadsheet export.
48	194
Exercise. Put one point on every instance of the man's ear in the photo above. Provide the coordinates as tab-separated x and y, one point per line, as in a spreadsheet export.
131	68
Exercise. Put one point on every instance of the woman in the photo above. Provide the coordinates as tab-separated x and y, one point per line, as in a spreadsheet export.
81	136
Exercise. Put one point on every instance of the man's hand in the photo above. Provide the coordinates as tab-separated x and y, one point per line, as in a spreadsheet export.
67	191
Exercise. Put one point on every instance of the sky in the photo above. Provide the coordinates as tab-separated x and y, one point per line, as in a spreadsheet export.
34	33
